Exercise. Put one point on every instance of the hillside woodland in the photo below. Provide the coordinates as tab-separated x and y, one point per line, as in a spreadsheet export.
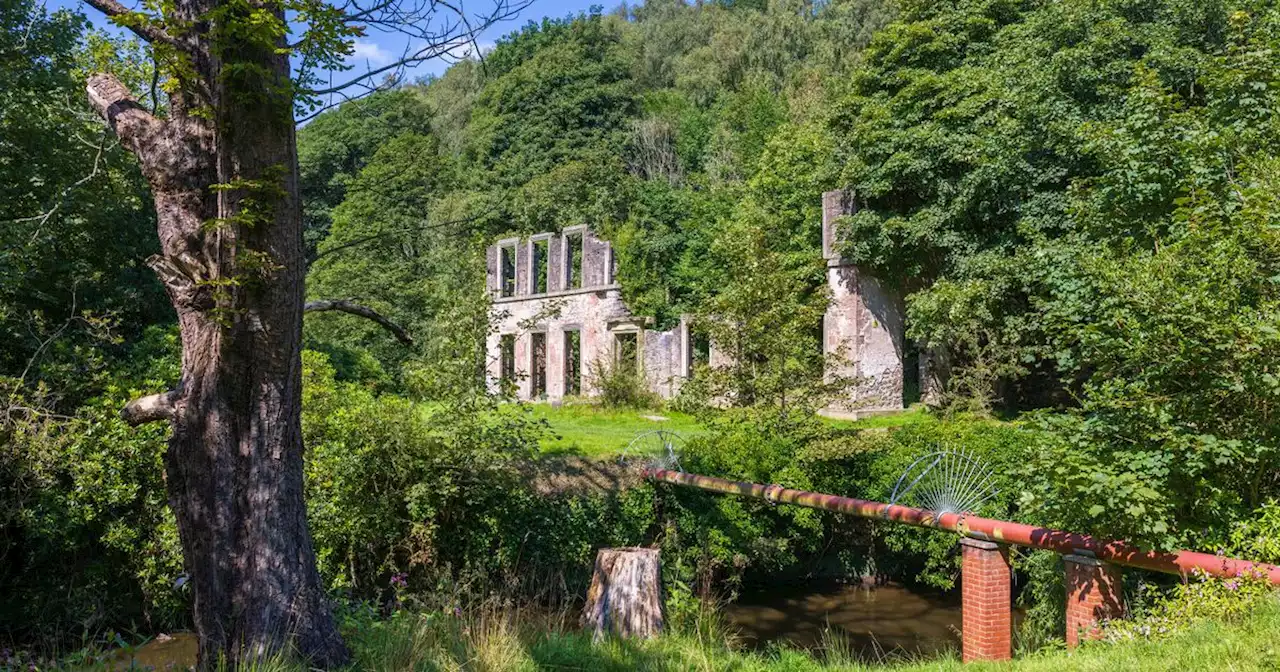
1079	200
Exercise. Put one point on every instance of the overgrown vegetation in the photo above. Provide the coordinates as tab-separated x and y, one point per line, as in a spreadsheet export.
1077	199
500	641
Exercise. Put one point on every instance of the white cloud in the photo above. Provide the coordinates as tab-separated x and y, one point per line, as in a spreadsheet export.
369	52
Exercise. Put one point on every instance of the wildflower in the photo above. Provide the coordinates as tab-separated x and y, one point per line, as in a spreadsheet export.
1232	585
400	580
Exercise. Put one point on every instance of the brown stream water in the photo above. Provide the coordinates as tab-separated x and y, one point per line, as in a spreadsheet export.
875	621
166	652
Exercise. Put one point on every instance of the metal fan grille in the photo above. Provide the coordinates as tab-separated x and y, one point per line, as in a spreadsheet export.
658	449
946	481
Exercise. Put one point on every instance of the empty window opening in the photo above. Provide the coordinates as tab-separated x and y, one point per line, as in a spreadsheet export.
572	362
539	266
701	354
573	260
507	355
626	351
539	365
911	387
507	277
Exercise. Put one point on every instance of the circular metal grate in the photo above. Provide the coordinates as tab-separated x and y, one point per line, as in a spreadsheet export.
946	481
659	448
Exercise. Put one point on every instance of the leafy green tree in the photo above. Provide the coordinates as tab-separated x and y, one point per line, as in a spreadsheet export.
765	318
1172	326
552	114
333	148
966	136
403	244
72	216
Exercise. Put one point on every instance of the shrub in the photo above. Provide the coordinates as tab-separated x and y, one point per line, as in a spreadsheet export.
732	540
447	495
1201	599
621	386
87	541
1257	538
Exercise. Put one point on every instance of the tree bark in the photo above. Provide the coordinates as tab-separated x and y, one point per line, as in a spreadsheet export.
625	597
223	171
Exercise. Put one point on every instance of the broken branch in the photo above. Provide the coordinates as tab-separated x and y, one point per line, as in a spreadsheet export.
132	123
352	308
151	408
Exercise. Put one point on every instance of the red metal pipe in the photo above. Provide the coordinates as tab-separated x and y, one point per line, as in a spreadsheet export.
975	527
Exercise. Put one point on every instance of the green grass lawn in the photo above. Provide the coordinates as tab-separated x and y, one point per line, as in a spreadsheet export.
915	415
590	431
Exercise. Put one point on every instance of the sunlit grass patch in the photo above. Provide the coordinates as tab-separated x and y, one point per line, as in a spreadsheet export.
592	431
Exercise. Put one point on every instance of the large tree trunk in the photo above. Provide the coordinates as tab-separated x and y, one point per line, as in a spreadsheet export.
223	170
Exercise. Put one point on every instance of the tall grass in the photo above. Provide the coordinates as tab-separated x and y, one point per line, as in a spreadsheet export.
496	640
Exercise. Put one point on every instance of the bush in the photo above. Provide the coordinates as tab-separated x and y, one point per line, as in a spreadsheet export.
447	496
1257	539
444	504
621	386
731	540
87	541
1186	604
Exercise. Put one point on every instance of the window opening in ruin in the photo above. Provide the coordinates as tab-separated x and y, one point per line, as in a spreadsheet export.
573	260
572	362
626	351
507	354
539	265
701	351
539	365
911	391
507	279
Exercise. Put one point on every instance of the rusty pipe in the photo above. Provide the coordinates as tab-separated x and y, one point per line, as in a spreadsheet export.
986	529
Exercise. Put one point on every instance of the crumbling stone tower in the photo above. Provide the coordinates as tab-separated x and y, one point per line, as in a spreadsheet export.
864	329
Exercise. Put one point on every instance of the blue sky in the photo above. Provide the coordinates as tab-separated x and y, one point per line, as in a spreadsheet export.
378	49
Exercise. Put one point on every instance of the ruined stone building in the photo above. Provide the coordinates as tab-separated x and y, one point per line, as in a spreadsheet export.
558	311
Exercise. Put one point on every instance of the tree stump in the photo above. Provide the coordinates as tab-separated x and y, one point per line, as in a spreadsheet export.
625	597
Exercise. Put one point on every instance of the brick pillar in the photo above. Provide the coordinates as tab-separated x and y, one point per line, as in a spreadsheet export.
1093	594
987	589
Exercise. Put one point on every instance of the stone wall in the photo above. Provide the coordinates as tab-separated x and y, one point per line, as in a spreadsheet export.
667	356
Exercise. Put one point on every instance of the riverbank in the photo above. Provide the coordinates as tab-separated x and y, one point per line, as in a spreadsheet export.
498	643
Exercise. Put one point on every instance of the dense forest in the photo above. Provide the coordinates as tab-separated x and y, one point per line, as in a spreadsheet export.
1078	200
1074	197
